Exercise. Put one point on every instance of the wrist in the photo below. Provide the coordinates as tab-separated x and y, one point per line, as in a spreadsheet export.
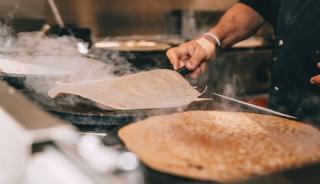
209	42
208	46
213	38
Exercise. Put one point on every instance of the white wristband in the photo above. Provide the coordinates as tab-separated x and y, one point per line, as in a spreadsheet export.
215	37
207	46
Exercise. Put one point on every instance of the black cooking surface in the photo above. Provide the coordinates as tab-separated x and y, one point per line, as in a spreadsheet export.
88	117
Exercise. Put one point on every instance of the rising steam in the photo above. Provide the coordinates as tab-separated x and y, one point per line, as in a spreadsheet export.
56	54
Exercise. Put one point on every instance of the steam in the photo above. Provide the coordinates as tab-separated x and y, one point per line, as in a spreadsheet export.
120	64
6	38
57	53
230	88
38	44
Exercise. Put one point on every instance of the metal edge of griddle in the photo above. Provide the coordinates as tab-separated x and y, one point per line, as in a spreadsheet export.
109	120
17	81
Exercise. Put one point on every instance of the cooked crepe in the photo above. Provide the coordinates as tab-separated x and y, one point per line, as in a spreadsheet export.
222	146
48	65
145	90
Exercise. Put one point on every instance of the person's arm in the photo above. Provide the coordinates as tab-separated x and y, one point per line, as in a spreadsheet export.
238	23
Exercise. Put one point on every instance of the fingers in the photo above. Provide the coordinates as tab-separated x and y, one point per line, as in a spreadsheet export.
315	80
185	51
191	55
173	56
200	70
179	55
199	56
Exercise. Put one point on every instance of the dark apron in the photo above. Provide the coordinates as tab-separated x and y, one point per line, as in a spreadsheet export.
296	54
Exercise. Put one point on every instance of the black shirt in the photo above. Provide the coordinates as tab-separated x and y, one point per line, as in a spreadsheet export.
296	53
268	9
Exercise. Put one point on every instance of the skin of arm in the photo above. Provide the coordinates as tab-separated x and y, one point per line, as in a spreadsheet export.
238	23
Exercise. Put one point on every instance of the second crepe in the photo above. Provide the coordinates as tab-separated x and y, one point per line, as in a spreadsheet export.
145	90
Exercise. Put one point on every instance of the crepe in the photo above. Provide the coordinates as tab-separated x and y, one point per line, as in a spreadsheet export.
145	90
48	65
222	146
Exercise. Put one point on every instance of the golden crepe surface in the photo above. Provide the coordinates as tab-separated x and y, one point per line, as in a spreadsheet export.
145	90
222	146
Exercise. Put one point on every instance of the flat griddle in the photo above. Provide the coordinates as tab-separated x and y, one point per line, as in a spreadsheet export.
88	117
81	112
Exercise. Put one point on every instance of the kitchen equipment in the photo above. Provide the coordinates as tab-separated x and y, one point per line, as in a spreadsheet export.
78	32
31	140
143	52
295	176
87	116
56	13
44	71
267	111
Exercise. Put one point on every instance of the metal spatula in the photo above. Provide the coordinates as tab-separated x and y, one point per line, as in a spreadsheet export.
268	111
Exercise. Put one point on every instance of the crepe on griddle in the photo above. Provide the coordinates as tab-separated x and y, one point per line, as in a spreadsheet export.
222	146
145	90
48	65
9	66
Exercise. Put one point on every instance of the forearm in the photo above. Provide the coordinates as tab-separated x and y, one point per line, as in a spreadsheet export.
239	23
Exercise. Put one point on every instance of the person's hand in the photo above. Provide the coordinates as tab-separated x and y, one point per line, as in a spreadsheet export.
192	55
316	79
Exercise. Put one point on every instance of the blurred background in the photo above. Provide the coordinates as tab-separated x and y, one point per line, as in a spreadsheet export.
109	17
